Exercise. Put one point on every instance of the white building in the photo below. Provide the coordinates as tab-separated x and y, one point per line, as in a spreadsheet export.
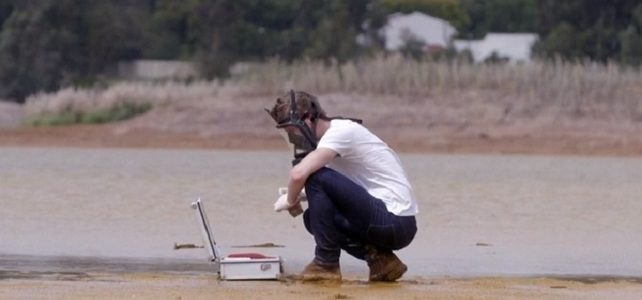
516	47
433	32
146	69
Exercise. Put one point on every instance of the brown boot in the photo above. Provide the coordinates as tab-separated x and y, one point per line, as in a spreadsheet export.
316	271
384	265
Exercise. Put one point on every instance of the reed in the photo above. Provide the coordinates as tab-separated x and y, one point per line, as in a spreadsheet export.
572	90
120	101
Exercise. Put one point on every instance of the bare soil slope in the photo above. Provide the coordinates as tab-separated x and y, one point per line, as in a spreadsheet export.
458	124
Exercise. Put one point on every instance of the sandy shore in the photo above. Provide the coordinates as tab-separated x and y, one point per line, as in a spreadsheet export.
205	286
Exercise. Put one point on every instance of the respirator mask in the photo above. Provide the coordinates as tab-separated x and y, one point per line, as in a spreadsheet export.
300	138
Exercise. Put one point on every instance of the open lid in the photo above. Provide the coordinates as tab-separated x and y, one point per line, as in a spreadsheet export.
208	238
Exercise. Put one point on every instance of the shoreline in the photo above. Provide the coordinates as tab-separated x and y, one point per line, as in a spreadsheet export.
70	277
16	266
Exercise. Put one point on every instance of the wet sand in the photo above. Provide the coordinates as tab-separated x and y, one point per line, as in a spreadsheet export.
200	286
23	277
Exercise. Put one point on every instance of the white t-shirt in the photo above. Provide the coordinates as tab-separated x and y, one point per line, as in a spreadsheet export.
369	162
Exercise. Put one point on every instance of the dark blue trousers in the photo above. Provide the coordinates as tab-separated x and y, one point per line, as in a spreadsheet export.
342	215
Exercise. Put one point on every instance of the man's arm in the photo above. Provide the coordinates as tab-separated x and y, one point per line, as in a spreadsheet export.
308	165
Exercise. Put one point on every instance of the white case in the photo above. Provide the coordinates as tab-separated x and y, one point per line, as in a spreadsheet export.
241	266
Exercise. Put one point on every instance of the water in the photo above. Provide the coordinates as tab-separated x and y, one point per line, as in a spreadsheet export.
480	214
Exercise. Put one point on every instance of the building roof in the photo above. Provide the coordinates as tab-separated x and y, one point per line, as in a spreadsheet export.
430	30
514	46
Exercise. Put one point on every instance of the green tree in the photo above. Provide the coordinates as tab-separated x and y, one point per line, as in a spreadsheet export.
631	40
47	44
113	33
498	16
229	31
167	33
564	42
33	47
599	28
218	27
333	32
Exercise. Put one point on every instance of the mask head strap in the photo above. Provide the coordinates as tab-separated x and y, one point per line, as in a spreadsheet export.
292	117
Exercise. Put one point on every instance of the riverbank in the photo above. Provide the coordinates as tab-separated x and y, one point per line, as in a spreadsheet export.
210	117
564	142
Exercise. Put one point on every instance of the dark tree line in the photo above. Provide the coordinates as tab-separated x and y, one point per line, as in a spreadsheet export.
45	44
498	16
601	30
48	44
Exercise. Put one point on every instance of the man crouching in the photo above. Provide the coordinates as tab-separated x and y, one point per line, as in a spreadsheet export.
359	197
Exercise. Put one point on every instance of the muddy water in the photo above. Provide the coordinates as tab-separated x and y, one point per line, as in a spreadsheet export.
480	215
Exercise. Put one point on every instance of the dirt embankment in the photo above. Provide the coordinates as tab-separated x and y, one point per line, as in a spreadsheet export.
408	125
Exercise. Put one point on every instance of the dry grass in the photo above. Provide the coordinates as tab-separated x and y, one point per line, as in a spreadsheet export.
493	92
576	89
86	100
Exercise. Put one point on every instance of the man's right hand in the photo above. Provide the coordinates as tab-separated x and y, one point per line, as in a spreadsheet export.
296	209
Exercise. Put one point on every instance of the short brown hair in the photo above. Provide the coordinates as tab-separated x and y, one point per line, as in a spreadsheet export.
307	105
